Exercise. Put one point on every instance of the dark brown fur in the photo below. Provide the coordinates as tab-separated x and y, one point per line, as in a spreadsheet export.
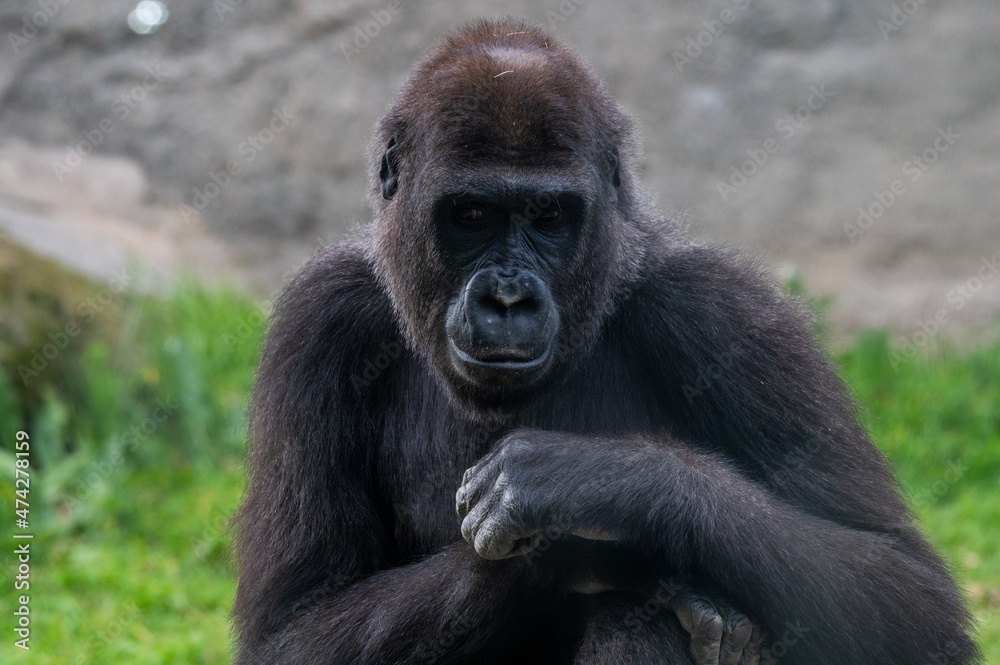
760	486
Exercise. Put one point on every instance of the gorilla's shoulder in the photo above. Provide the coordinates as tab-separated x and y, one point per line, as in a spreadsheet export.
715	286
702	270
335	294
341	270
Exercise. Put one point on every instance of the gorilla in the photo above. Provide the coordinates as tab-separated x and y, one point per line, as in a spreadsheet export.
650	459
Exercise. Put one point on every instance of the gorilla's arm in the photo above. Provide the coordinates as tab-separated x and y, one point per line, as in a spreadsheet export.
450	607
317	576
788	569
765	485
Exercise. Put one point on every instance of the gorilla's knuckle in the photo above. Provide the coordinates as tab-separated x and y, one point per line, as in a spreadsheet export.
461	502
502	482
516	447
710	625
740	628
489	541
468	532
701	620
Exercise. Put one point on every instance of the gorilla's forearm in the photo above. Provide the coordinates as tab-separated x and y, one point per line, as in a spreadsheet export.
448	607
809	581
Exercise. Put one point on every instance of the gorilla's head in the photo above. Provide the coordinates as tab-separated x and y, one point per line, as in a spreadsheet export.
507	223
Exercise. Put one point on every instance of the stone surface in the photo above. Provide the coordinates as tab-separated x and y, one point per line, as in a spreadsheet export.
844	94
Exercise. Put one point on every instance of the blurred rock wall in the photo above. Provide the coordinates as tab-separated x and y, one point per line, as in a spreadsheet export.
854	141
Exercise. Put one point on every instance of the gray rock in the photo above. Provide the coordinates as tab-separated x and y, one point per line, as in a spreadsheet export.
284	94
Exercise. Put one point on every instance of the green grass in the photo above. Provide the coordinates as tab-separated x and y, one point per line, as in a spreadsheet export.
131	558
938	419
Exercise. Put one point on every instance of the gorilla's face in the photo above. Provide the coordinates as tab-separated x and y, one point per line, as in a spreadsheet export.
508	249
504	228
522	269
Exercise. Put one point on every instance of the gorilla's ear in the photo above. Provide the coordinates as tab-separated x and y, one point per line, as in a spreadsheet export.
389	171
616	168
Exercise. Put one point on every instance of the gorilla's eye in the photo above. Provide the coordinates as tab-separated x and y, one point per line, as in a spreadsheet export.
550	215
470	213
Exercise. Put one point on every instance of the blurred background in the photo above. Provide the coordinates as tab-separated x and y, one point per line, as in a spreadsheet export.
165	167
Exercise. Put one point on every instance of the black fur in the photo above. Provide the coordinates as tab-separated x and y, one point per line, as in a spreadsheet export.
686	413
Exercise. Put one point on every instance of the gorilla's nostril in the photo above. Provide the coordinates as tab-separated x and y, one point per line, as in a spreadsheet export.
506	304
524	306
509	298
493	305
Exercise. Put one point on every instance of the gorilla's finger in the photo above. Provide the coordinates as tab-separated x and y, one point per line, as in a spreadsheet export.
736	636
703	622
752	652
469	495
462	502
478	513
494	540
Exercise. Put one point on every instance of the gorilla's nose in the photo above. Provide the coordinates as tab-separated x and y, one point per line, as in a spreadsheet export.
506	312
493	296
515	291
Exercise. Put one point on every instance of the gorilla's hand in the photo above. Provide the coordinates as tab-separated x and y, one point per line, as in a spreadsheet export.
492	503
719	634
533	484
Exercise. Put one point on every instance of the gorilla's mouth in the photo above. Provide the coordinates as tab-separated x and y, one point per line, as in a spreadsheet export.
500	362
501	330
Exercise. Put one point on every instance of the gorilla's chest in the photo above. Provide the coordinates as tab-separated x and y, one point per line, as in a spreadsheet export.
427	445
